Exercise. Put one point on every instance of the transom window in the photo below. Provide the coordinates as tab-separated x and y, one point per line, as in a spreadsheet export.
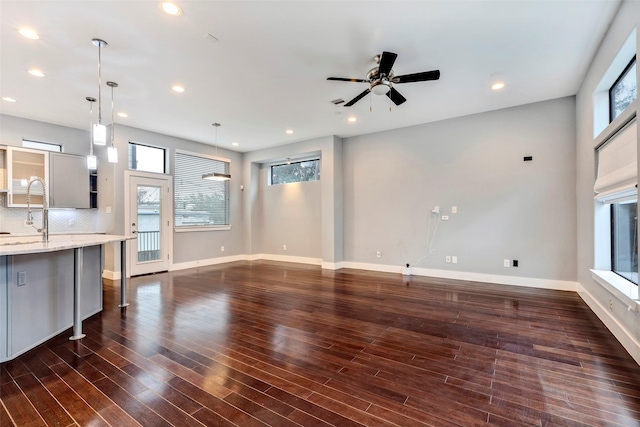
47	146
624	91
147	158
290	172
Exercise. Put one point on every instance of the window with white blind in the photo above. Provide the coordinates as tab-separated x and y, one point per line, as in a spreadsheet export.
616	186
199	202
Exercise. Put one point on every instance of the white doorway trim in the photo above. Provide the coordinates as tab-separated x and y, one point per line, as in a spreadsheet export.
167	206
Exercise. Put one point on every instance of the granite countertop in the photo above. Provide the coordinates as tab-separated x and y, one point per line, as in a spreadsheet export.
32	244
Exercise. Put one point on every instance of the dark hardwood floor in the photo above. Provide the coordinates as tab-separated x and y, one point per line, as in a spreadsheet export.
278	344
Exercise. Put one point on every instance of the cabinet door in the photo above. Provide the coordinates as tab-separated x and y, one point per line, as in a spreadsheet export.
22	165
68	181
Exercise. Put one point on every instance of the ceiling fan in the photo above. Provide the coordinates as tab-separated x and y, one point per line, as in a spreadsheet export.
381	79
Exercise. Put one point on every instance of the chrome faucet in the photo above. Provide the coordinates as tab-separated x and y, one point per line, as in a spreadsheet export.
45	209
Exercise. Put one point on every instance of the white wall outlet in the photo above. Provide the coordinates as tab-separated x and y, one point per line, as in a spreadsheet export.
445	217
107	209
454	259
436	210
378	254
507	263
454	209
72	223
284	247
447	259
221	248
22	278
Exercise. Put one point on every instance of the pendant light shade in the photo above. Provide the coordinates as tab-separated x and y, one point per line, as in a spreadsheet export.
112	151
92	161
99	134
216	176
99	130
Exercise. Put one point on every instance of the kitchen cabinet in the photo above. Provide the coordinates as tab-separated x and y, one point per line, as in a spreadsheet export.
68	181
3	170
22	165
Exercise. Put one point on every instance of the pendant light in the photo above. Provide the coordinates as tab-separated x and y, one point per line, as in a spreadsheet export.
112	151
92	162
216	176
99	130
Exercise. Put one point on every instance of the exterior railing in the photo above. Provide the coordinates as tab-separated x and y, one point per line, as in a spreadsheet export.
148	245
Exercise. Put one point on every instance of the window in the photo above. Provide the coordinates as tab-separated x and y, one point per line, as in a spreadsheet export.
624	91
200	202
624	240
616	186
146	158
47	146
307	170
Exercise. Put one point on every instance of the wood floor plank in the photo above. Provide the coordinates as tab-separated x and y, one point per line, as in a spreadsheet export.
270	343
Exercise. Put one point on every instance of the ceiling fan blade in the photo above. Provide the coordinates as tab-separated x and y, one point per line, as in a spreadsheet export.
357	98
343	79
418	77
386	62
395	96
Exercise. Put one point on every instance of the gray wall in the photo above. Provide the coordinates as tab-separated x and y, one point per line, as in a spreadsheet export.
624	323
291	214
189	246
507	208
330	151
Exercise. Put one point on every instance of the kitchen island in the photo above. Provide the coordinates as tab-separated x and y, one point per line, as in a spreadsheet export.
47	287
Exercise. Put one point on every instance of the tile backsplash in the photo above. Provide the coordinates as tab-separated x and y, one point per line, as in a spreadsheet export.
60	220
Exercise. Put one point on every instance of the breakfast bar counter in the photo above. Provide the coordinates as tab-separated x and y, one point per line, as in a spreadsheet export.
46	287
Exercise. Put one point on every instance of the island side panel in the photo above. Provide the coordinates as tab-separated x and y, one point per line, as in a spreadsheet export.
4	308
43	306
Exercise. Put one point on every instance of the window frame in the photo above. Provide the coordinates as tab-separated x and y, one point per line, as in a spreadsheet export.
614	242
311	159
204	227
130	160
622	75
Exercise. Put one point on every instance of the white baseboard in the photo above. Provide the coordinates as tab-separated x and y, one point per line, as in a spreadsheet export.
615	327
205	262
286	258
333	265
111	275
561	285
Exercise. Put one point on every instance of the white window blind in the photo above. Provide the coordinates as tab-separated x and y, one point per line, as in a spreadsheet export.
618	166
200	202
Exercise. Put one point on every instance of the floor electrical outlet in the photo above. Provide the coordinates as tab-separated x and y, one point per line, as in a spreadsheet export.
447	259
507	263
454	259
221	248
445	217
378	254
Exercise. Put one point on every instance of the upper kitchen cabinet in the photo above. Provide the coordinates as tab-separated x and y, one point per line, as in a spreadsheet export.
3	169
68	181
22	165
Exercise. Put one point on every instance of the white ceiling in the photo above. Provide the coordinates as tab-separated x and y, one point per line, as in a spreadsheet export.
267	73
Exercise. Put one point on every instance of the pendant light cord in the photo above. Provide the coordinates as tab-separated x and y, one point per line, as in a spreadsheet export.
99	84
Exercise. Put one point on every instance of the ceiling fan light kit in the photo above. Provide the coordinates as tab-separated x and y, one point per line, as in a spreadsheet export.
381	79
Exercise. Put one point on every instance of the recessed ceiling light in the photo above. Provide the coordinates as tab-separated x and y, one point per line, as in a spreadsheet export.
8	99
171	8
288	131
177	88
497	86
352	119
28	33
235	144
123	115
35	72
